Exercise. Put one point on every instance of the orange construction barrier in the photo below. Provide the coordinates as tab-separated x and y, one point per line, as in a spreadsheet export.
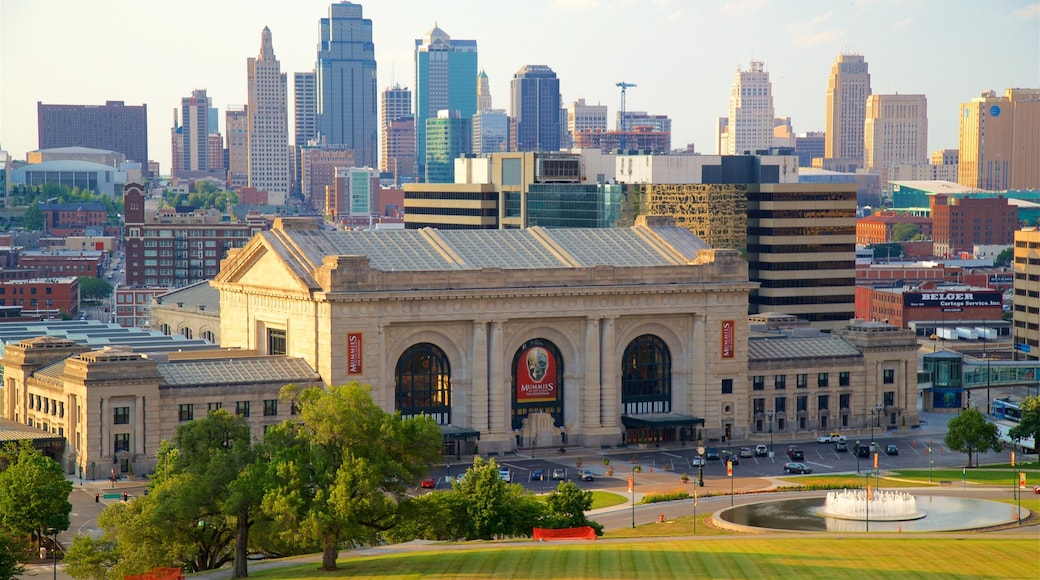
582	533
660	518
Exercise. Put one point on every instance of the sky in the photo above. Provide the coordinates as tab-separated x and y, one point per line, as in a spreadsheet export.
680	54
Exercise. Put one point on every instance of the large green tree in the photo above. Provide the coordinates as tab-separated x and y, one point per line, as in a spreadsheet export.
341	472
970	432
904	231
489	508
32	219
1029	424
10	565
34	494
1004	258
91	288
567	506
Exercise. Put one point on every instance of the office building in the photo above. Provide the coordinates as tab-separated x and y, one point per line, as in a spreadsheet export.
318	164
896	131
1000	141
448	136
305	121
847	90
352	197
396	104
133	307
236	127
268	120
198	152
534	112
749	126
346	83
1026	309
961	222
583	118
446	79
490	131
483	92
809	146
114	126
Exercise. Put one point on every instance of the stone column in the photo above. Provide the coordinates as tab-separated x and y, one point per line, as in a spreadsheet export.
698	369
609	373
138	444
498	402
590	390
478	397
106	428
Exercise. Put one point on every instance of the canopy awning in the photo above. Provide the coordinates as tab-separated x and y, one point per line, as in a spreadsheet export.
454	432
660	420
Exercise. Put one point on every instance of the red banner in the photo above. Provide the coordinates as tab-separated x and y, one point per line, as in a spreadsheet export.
536	376
354	353
728	338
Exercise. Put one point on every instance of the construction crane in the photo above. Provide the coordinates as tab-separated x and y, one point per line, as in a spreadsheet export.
624	86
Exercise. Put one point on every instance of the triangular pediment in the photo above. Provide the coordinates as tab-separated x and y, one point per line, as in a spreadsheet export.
264	263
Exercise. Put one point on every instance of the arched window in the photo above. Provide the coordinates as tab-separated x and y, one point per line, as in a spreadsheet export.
646	377
537	381
164	328
423	383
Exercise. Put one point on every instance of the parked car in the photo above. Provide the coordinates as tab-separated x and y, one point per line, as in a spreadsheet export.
559	474
745	452
713	453
536	475
698	461
891	450
862	451
795	453
795	467
505	475
728	455
586	475
428	483
841	446
1036	489
761	451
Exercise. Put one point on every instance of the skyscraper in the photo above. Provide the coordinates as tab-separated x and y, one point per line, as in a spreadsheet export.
483	92
1000	141
490	131
268	123
346	83
113	126
236	127
192	157
749	126
305	122
896	131
445	70
847	90
535	109
396	104
582	117
448	136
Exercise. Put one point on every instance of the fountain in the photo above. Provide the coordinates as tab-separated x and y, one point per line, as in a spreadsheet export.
882	505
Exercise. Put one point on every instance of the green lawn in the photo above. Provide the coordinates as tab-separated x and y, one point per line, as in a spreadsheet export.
602	499
849	557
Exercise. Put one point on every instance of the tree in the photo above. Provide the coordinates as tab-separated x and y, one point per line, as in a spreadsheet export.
1004	258
32	219
10	566
489	508
90	559
904	231
34	494
1029	425
91	288
970	432
567	506
341	472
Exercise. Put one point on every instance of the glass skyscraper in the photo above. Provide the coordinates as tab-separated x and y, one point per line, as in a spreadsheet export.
445	79
347	92
535	109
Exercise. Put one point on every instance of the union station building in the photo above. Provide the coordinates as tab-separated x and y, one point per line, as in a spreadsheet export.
509	339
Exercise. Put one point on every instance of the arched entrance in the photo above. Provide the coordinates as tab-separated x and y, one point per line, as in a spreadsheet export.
537	411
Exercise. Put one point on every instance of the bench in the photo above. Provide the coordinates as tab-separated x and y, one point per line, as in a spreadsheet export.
945	483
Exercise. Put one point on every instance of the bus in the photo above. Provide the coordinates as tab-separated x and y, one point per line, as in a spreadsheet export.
1007	410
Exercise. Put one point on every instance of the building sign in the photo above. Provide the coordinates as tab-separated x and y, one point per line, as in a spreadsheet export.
354	353
952	299
1001	280
536	376
728	338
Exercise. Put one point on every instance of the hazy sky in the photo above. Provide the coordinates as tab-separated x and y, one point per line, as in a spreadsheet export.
681	53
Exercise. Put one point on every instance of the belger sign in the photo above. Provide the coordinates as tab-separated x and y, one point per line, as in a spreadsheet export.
952	299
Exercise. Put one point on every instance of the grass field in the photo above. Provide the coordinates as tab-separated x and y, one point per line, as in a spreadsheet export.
848	558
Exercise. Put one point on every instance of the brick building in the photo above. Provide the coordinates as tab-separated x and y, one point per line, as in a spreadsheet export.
43	296
960	223
929	301
73	219
63	262
880	228
134	305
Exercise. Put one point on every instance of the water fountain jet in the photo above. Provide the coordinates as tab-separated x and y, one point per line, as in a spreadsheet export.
883	506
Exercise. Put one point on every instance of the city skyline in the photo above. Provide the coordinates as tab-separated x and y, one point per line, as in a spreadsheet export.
668	48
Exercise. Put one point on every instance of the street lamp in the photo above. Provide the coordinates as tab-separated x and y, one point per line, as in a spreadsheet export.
875	414
700	467
769	415
856	449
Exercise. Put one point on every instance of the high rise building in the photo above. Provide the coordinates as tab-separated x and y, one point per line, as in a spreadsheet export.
400	146
1000	141
192	157
444	72
113	126
396	104
896	131
318	165
353	194
483	92
346	83
582	117
236	127
490	131
1026	315
268	123
847	90
305	107
749	126
535	110
447	137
